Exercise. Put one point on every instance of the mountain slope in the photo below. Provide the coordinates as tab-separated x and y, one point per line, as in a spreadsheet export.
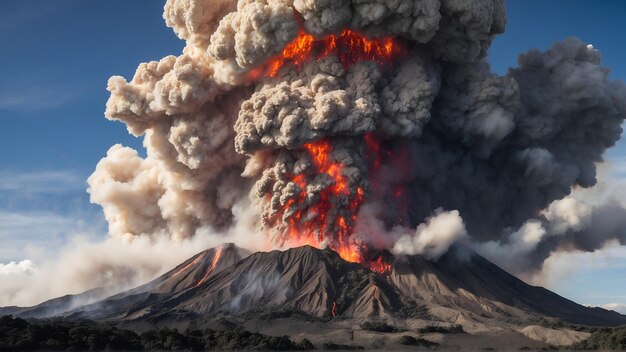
461	287
304	279
136	303
94	304
464	280
58	305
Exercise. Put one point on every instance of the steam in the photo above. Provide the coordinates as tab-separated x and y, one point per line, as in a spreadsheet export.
112	265
431	129
434	237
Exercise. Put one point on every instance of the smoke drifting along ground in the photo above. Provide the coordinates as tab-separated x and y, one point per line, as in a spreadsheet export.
111	265
330	114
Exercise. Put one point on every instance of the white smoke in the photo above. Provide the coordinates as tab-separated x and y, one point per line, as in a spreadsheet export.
433	238
567	214
498	150
223	142
513	253
618	307
115	263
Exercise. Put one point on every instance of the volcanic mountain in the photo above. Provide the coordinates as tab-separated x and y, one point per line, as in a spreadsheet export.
460	287
99	302
309	284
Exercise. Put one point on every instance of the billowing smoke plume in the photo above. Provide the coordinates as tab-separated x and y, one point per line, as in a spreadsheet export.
315	110
434	237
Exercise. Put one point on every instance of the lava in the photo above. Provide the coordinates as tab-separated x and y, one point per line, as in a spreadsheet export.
349	46
315	224
312	224
186	267
332	311
381	266
216	259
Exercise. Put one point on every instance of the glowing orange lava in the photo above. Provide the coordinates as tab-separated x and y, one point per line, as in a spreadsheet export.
321	223
330	219
312	225
380	266
186	267
216	259
349	46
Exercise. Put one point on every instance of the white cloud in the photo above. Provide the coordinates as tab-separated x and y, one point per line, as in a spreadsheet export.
83	264
42	231
36	97
31	225
618	307
587	276
46	181
563	266
42	209
25	267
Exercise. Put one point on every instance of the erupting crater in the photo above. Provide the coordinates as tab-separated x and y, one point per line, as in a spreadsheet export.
328	218
324	222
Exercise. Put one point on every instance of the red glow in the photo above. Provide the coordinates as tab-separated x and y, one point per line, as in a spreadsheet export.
315	224
312	225
386	184
216	259
329	219
349	46
332	312
380	266
186	267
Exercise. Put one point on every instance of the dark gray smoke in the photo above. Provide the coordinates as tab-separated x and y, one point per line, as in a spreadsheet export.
456	140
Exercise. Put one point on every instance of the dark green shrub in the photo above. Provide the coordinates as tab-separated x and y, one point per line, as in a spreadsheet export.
412	341
454	329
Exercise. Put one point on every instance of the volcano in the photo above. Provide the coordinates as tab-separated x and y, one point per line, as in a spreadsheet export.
306	285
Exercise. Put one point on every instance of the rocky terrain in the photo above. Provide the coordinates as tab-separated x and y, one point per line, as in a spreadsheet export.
311	293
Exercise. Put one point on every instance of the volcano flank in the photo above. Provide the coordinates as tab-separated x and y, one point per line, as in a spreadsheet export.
316	291
372	146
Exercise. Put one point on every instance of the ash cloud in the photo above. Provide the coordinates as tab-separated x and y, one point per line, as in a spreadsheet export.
498	154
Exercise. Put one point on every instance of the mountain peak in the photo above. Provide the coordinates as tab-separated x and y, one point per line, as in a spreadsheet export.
461	287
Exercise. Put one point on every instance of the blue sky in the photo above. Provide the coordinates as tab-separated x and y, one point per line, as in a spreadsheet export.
57	57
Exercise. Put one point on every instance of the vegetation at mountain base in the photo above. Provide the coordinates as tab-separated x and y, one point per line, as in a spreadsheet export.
559	324
17	334
412	341
454	329
329	346
603	339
